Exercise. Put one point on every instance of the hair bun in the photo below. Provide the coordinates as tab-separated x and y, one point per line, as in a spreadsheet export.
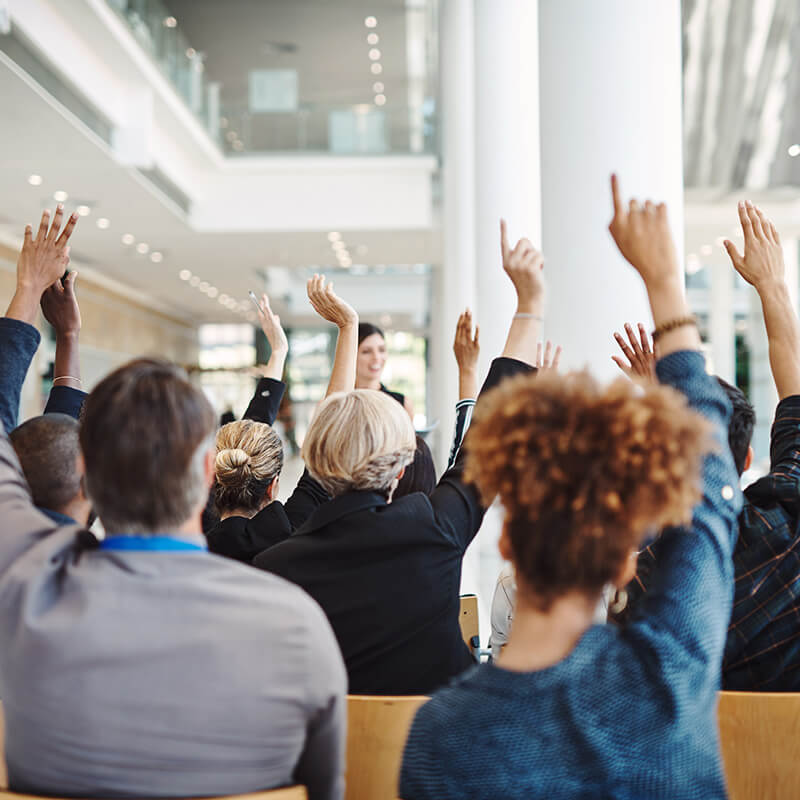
232	466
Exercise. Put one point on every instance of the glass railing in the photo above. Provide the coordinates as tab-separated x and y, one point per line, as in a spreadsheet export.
276	120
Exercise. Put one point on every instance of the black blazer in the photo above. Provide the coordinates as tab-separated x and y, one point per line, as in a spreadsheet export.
388	576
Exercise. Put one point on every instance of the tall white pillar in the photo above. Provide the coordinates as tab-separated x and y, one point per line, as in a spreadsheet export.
610	101
454	280
721	318
506	152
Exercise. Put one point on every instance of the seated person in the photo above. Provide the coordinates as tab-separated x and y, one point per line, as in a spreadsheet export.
387	573
115	656
584	472
763	642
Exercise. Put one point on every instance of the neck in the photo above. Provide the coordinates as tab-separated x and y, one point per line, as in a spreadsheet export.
76	509
368	383
237	512
541	639
193	525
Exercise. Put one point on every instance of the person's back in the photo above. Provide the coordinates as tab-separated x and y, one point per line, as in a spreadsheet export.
143	665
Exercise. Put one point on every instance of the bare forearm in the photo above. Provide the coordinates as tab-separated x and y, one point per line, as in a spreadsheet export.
275	366
525	331
783	334
67	362
343	374
668	303
24	305
467	384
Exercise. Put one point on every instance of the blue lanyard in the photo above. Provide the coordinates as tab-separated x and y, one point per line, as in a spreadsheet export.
153	543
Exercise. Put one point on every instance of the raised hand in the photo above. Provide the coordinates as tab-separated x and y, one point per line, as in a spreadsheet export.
466	347
546	359
60	307
43	260
642	235
271	325
762	263
641	357
329	305
524	265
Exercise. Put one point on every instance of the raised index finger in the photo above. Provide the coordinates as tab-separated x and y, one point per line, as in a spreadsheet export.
615	195
503	239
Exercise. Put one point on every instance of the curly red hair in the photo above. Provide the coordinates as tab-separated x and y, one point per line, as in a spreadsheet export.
584	471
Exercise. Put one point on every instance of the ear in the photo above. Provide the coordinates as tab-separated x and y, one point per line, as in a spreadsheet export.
208	467
80	469
271	491
504	544
627	571
748	459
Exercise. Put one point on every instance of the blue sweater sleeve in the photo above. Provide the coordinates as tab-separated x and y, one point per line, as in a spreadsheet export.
65	400
18	343
679	627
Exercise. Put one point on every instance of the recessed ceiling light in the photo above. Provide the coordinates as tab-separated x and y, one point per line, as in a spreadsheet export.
203	287
212	291
376	68
184	274
194	281
371	22
103	223
60	196
223	298
373	38
334	236
380	99
378	87
156	257
374	54
35	180
170	22
83	211
706	250
142	248
794	150
128	238
339	245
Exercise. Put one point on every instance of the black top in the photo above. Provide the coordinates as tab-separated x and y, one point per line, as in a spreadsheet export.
401	398
388	576
243	538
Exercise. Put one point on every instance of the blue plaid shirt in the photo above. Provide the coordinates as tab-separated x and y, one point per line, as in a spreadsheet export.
762	651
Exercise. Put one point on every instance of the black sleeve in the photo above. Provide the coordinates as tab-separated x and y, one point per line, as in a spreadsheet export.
456	506
307	496
65	400
266	401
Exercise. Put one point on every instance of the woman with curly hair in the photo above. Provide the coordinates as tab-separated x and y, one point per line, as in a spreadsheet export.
585	472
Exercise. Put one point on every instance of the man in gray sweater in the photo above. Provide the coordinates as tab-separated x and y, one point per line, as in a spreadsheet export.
143	665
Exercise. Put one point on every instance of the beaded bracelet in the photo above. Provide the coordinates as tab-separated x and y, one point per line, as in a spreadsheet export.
672	325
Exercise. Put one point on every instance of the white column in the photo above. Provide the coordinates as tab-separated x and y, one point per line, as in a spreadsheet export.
507	152
721	318
454	280
610	102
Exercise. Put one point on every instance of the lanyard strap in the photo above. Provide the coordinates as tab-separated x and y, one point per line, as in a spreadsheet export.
152	543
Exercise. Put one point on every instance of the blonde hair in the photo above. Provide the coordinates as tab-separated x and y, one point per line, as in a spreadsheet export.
249	458
359	440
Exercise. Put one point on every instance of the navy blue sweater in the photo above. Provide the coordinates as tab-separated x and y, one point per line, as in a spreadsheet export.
631	712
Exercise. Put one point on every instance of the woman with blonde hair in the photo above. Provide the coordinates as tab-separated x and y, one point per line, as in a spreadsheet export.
250	454
387	571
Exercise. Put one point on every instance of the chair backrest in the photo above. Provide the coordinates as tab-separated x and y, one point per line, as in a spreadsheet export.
760	738
377	728
468	618
290	793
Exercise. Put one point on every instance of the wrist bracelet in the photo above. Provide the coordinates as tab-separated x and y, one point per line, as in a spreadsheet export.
672	325
67	378
525	315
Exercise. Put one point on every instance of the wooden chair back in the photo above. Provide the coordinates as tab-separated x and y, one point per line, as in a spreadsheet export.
760	738
468	619
377	728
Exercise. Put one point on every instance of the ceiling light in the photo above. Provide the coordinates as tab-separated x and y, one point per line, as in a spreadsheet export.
142	248
238	146
794	150
212	292
706	250
203	287
156	257
128	238
184	274
222	299
720	240
693	264
35	180
194	281
83	211
334	236
60	196
373	38
170	22
191	52
339	245
103	223
377	87
371	22
380	99
374	54
376	68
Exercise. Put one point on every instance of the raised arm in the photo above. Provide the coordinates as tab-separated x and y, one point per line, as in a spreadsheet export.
762	266
333	309
267	398
466	349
